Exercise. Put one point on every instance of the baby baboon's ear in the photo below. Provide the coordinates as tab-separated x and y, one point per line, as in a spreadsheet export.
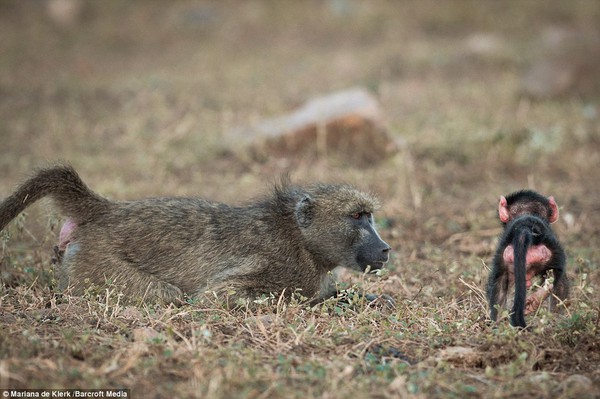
304	211
553	216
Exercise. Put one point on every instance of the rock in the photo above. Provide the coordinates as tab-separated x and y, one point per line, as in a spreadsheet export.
461	356
143	334
132	313
346	124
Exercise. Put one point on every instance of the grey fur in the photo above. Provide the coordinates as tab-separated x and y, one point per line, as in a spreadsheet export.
169	248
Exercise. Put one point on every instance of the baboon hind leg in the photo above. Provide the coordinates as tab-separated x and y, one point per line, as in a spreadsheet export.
496	292
560	292
135	284
158	290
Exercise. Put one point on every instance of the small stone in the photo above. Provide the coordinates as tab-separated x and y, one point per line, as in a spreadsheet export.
144	334
460	355
131	312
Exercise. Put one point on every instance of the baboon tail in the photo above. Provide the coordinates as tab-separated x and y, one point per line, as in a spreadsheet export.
521	244
63	185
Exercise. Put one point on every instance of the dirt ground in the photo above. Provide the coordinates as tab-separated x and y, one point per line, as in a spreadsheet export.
138	97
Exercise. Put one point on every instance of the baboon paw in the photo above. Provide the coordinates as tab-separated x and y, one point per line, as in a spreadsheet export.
382	299
57	255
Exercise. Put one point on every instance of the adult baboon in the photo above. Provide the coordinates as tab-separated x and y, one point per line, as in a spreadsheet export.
170	248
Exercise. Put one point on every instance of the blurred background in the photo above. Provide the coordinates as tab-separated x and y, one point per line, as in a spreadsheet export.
473	99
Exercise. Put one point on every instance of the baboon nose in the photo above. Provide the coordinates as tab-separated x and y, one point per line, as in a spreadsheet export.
385	252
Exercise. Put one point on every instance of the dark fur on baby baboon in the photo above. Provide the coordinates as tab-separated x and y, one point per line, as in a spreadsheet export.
528	248
527	202
169	248
533	250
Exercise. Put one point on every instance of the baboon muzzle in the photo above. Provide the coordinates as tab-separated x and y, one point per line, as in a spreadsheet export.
374	252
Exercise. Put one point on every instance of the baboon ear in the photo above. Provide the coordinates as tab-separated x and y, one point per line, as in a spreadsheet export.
503	210
304	211
553	217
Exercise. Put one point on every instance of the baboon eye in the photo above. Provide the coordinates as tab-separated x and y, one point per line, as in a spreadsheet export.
355	215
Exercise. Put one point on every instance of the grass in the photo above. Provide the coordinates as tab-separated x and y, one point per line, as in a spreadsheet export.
138	97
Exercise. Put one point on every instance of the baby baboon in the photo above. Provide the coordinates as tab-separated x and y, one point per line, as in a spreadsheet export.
169	248
528	248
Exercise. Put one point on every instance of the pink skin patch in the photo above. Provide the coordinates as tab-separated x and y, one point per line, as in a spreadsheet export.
535	300
537	254
66	234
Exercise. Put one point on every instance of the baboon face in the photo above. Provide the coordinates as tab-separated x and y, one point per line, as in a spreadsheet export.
337	223
371	251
